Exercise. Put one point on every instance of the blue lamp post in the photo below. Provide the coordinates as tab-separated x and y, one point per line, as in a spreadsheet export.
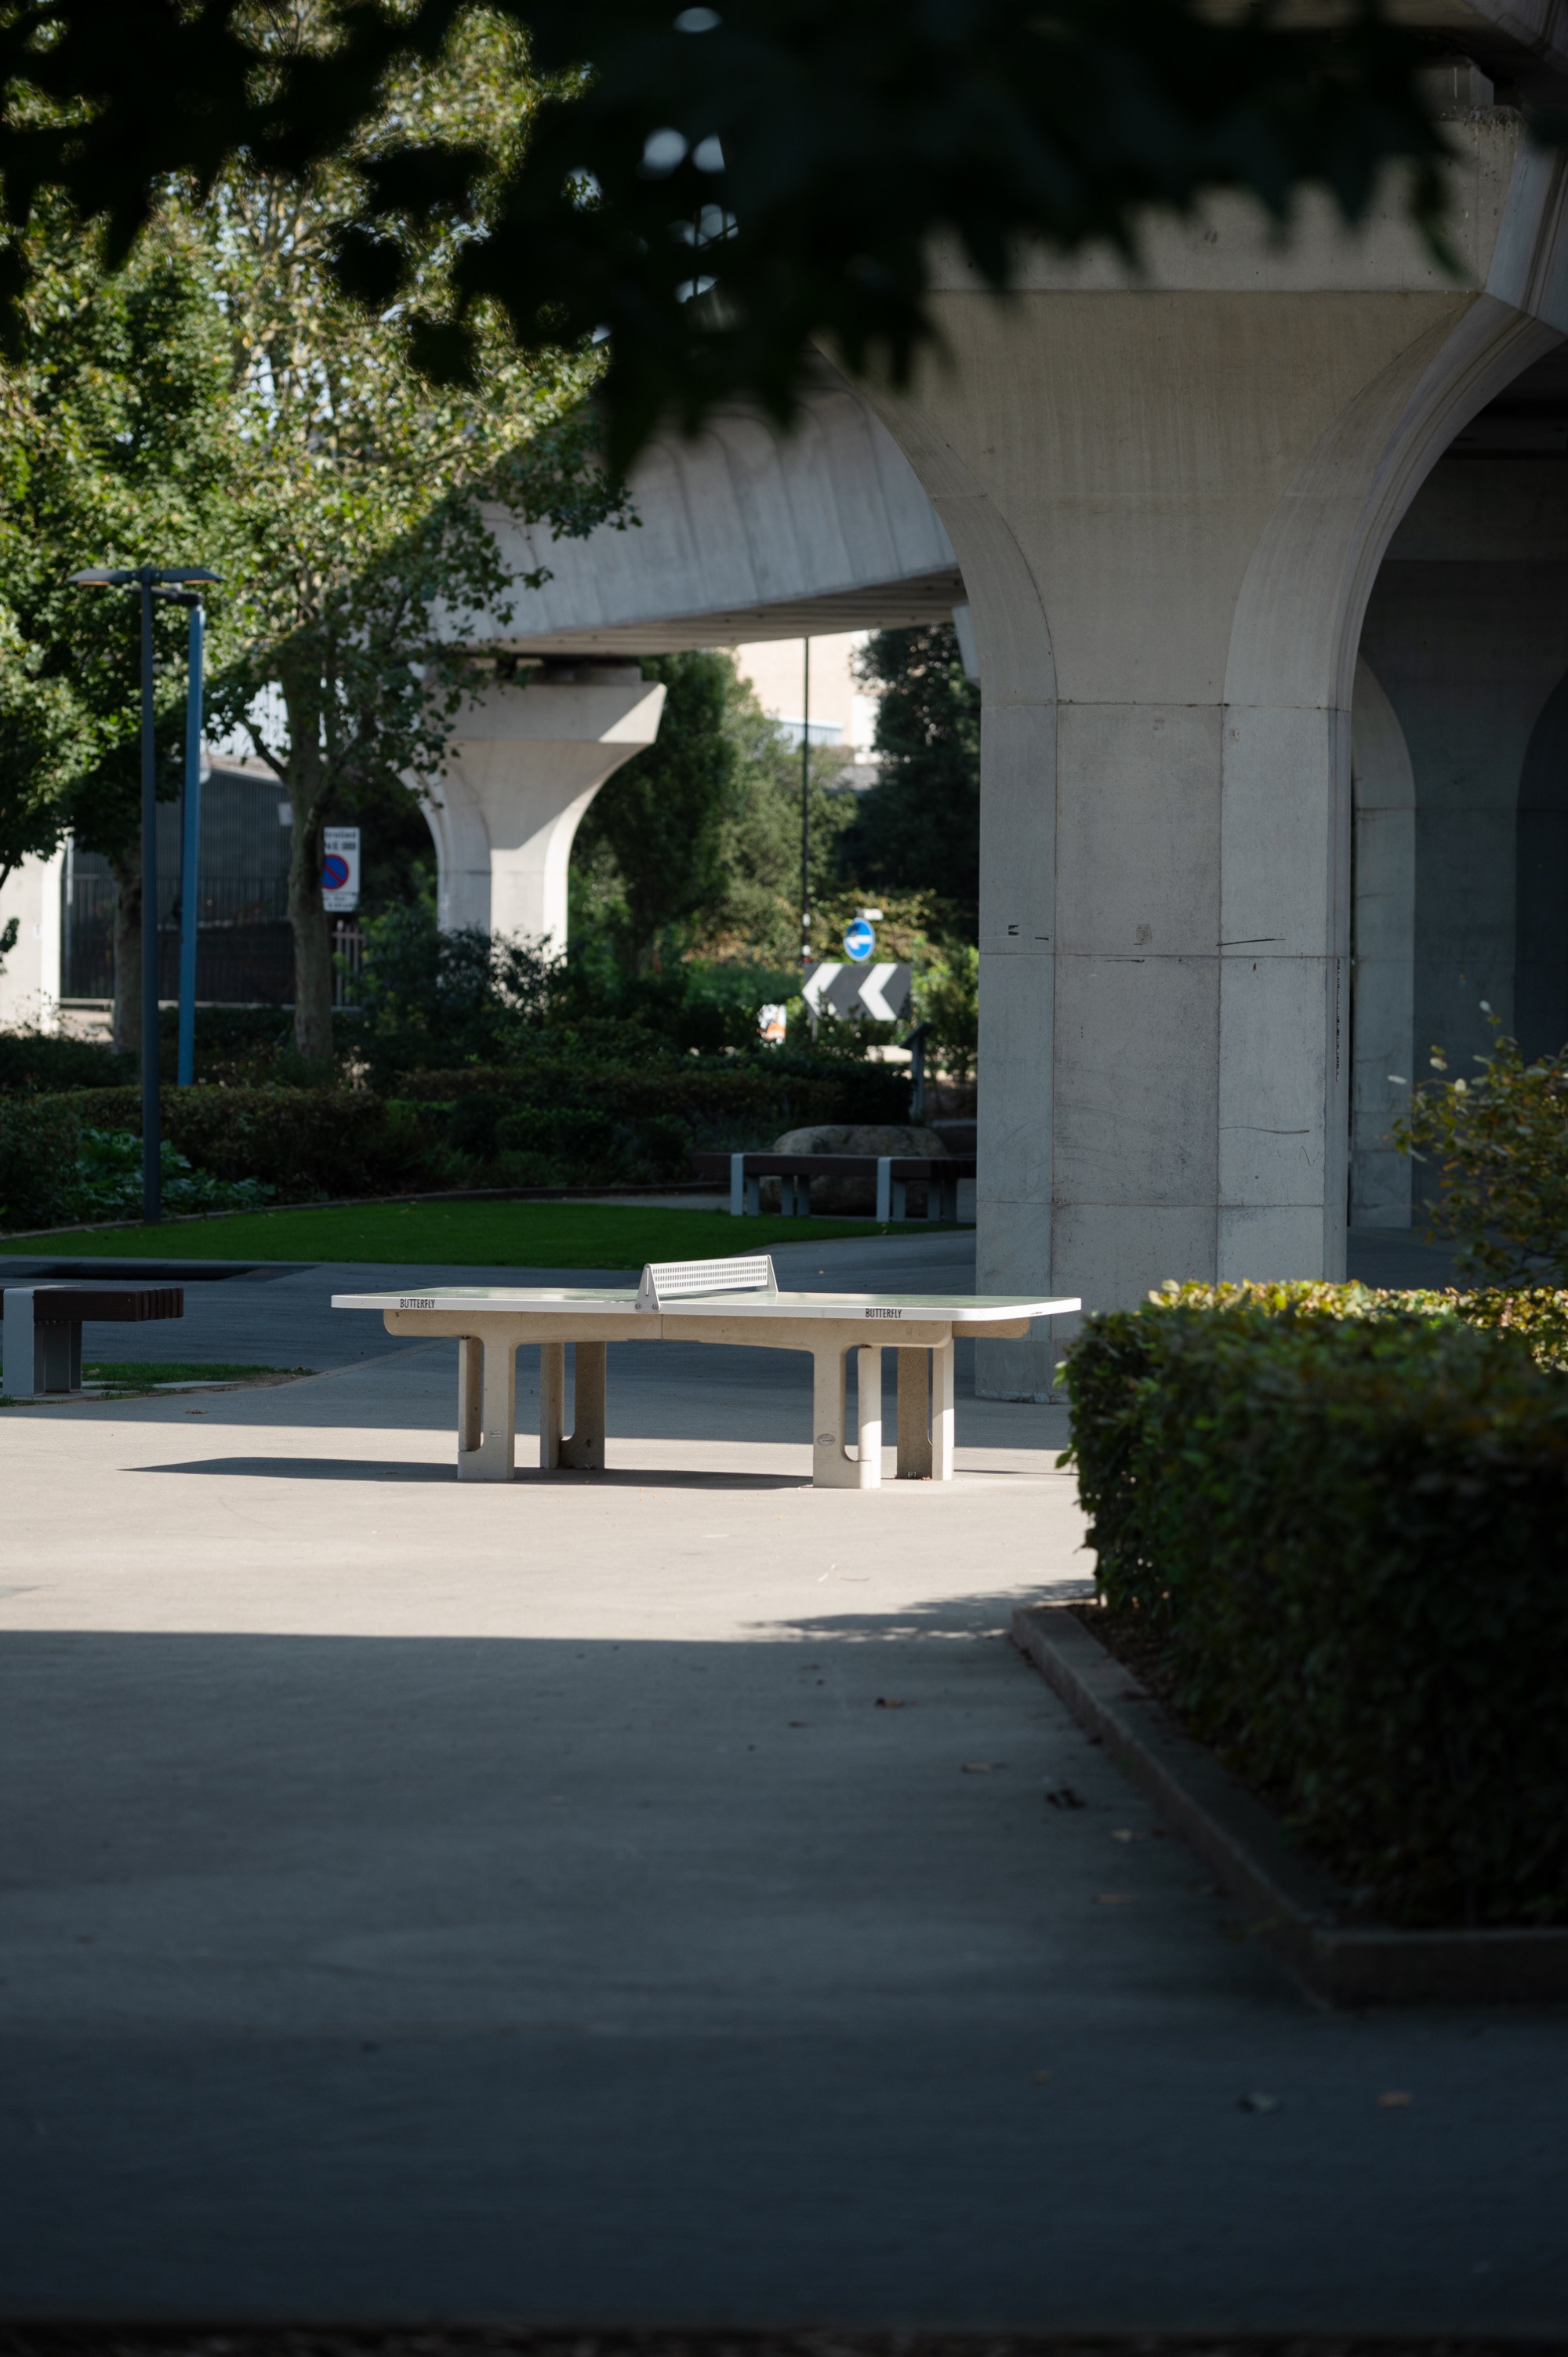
190	842
150	582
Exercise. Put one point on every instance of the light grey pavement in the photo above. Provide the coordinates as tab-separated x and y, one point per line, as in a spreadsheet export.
522	1902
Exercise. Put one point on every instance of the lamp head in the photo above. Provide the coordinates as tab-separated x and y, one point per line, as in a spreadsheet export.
106	576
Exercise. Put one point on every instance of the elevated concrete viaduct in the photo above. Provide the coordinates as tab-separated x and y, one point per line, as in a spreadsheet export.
740	537
1210	797
1172	498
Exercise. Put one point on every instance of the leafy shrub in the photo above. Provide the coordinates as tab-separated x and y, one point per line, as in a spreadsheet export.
1340	1514
43	1062
41	1141
947	996
1500	1144
254	1047
297	1143
431	999
107	1183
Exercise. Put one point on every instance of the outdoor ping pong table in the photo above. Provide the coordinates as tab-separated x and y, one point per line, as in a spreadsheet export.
732	1301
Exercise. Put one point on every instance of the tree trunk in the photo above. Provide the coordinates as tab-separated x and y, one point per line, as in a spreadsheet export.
300	681
312	935
126	1029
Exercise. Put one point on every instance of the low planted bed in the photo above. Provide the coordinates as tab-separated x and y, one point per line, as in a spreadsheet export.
1331	1528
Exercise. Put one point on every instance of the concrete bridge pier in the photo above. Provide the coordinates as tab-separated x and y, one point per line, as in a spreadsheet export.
526	761
1170	500
1465	644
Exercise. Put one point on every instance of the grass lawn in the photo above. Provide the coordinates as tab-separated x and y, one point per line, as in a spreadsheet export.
478	1235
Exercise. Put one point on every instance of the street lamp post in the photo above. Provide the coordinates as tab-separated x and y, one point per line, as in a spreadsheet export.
150	582
806	814
191	841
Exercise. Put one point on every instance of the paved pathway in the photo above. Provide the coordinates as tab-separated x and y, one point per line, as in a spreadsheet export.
528	1902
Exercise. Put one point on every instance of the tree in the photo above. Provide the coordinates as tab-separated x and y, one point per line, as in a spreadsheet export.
759	914
803	164
919	827
1500	1144
111	441
708	834
661	819
361	554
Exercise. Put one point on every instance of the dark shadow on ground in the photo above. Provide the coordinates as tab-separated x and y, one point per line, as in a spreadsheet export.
637	1981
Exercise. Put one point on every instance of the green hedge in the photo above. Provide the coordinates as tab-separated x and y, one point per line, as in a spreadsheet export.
301	1144
40	1147
722	1099
37	1063
546	1121
1342	1517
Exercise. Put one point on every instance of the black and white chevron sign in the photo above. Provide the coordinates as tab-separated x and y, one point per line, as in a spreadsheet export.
879	991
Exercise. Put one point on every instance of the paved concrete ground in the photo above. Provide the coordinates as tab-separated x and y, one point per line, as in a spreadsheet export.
526	1902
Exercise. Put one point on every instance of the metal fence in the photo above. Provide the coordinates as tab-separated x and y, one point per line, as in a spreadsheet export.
244	945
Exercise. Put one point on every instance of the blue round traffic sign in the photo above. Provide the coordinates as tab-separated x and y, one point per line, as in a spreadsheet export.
334	872
859	940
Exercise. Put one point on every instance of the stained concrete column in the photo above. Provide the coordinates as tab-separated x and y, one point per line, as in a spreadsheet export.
1169	498
522	767
1382	938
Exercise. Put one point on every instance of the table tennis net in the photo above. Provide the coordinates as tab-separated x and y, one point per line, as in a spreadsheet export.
681	1280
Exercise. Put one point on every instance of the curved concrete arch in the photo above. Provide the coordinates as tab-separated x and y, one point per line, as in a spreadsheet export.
1285	1118
1199	469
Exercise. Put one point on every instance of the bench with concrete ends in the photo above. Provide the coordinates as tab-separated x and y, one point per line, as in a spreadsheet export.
729	1301
43	1329
894	1174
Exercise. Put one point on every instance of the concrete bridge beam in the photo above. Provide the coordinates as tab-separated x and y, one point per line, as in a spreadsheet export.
1169	500
522	767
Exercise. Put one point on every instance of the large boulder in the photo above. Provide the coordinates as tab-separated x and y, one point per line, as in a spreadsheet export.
851	1195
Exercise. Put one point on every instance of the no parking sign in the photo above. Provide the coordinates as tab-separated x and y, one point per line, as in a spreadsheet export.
340	869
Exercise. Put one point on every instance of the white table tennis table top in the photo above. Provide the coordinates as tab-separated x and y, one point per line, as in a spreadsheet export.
588	1301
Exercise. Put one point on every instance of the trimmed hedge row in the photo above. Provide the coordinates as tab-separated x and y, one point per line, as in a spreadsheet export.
1342	1516
34	1063
734	1095
298	1142
554	1120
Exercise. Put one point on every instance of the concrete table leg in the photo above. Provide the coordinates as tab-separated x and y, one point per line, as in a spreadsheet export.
552	1403
942	1411
583	1449
471	1392
914	1415
868	1403
833	1467
493	1458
